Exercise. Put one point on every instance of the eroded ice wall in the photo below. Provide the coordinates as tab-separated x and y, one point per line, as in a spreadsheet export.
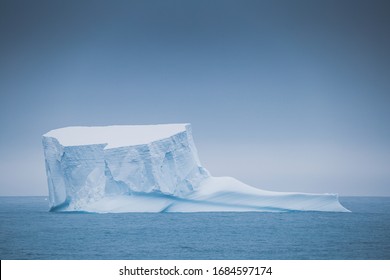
85	164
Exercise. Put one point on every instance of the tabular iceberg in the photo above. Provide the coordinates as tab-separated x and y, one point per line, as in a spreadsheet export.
151	168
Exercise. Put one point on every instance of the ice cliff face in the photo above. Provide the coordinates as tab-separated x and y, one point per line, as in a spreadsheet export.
150	168
85	164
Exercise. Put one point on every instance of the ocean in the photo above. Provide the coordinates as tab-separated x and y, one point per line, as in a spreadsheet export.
29	231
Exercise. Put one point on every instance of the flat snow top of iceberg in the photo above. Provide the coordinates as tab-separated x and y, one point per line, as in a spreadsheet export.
115	135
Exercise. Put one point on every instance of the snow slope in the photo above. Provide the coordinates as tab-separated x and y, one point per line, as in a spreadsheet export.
150	168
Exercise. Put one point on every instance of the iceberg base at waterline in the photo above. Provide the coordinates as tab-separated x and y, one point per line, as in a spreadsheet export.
219	194
151	168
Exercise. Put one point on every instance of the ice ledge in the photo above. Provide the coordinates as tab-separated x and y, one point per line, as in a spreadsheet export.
218	194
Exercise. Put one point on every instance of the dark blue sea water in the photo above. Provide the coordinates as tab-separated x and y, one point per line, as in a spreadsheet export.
29	231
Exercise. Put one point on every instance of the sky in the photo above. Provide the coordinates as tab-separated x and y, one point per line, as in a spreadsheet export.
282	95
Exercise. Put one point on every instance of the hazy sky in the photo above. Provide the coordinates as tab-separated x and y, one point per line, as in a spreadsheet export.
283	95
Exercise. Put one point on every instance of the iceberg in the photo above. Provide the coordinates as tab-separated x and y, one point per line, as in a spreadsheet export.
151	168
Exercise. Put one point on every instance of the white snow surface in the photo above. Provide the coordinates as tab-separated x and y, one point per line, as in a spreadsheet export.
151	168
115	135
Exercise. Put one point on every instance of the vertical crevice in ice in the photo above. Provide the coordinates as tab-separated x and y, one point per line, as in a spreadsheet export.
54	152
114	187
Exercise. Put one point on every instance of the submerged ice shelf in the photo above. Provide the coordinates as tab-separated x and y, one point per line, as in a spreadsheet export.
151	168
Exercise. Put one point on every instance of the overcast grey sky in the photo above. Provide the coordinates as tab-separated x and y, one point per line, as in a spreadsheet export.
283	95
